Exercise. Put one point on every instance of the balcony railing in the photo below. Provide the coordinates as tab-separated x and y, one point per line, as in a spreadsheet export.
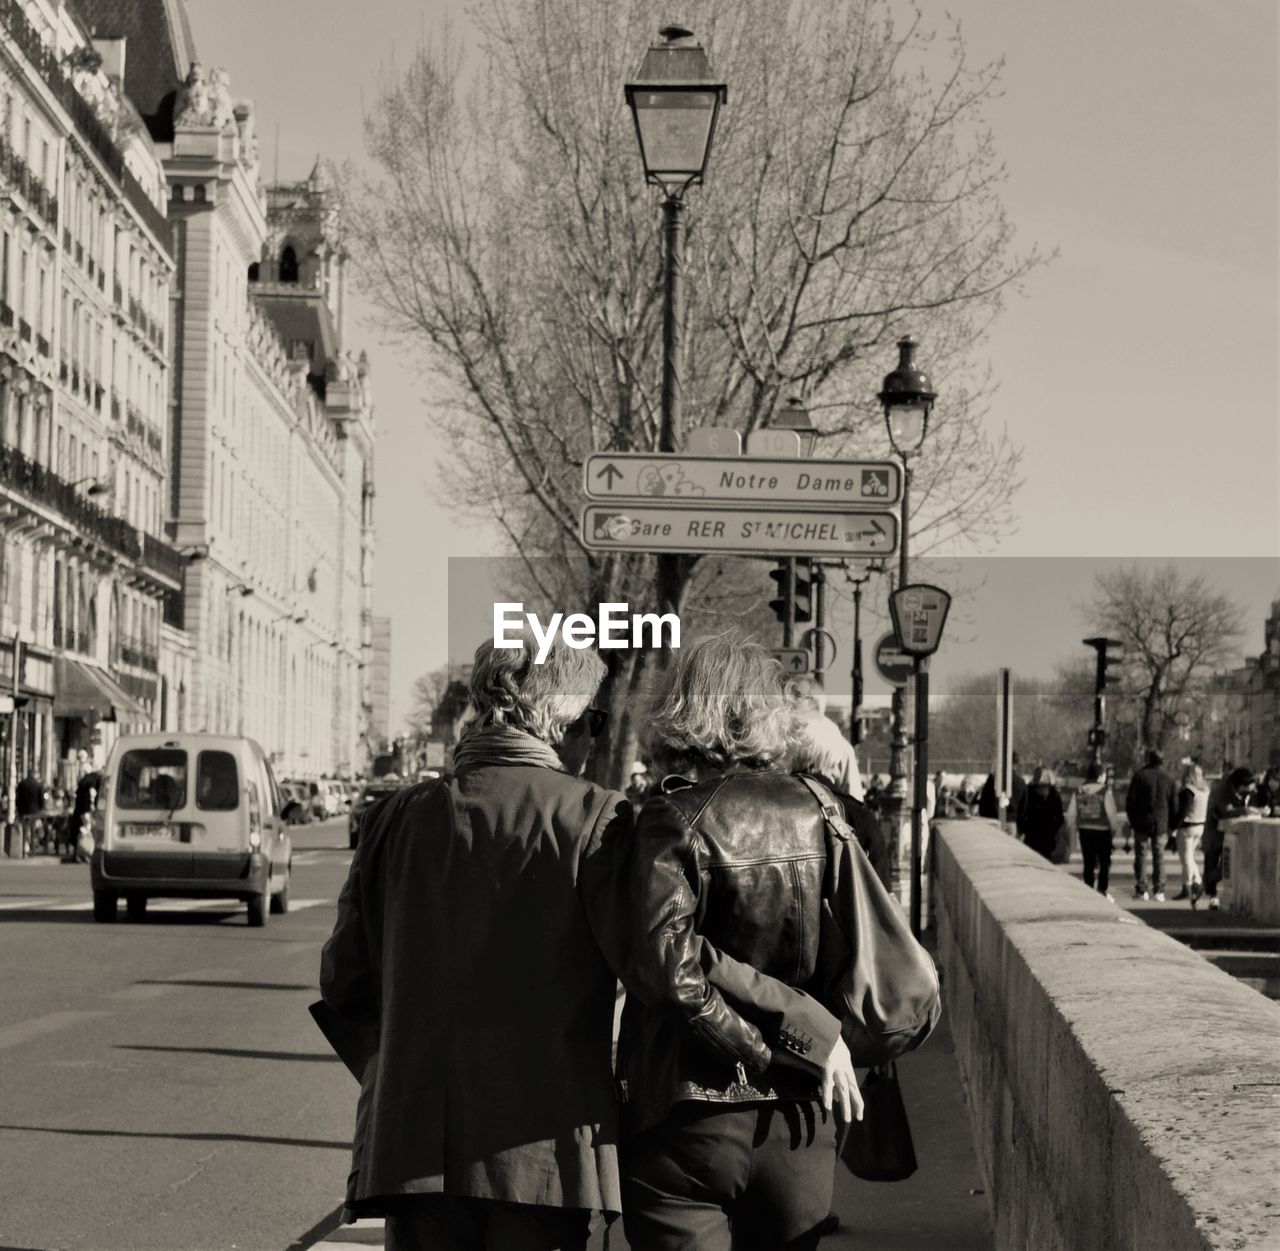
138	653
32	479
86	121
160	558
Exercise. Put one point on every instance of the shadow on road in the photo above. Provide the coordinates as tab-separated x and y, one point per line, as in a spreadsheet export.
181	981
137	1133
240	1053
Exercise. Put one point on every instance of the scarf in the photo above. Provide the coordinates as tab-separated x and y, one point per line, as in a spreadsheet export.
502	745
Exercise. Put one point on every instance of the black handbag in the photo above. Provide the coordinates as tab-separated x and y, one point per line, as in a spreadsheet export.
879	1147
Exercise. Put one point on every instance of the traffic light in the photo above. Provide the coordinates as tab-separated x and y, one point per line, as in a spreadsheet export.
782	576
1110	657
803	593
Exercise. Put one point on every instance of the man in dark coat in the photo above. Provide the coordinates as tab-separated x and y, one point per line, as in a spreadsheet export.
989	801
1152	809
469	981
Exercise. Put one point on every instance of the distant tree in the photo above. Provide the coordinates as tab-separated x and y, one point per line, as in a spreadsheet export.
1177	631
507	238
962	728
428	691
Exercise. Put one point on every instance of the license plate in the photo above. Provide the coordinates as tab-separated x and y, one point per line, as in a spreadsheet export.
135	830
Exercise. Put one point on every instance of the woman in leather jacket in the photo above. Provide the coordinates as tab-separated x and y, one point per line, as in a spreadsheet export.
731	849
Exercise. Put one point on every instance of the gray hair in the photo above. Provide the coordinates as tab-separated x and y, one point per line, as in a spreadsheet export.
543	700
722	702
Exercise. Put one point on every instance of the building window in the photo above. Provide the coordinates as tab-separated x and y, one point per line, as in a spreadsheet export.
288	264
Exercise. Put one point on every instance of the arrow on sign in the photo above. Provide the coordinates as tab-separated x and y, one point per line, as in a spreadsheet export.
797	664
610	473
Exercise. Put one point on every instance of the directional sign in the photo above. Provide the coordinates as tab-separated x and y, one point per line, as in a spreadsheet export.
893	664
794	660
744	480
681	527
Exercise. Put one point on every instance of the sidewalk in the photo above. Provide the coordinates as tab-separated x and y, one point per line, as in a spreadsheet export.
941	1208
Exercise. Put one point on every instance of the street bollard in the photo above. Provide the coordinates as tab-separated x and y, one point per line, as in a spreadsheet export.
13	840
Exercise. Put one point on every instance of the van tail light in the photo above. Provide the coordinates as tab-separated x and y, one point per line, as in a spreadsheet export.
98	824
255	840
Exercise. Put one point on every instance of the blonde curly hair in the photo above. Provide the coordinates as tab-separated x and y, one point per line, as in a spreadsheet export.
723	701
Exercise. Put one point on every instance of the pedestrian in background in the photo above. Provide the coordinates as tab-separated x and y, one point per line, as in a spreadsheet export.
830	752
989	800
1152	810
1042	813
1266	795
1092	813
1226	800
1193	807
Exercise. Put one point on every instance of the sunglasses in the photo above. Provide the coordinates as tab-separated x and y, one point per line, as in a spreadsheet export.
597	719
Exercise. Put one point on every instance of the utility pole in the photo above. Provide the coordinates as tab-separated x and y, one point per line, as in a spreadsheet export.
819	583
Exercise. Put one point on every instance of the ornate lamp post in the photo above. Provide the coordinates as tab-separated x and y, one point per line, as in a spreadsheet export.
675	102
907	402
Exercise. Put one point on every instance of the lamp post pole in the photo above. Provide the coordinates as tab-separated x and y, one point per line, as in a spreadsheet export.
907	402
672	415
855	673
674	101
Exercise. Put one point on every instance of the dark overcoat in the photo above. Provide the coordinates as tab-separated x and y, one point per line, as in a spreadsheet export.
463	948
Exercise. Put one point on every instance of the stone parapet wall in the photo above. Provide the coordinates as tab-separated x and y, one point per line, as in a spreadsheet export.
1124	1093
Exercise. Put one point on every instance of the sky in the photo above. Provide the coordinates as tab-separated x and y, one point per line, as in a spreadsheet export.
1139	372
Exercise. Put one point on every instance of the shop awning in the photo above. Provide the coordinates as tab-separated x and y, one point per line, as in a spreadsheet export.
83	690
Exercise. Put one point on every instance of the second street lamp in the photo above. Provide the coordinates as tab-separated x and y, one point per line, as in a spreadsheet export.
675	103
908	401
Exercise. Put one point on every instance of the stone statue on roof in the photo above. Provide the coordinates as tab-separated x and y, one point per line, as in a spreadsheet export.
194	103
205	99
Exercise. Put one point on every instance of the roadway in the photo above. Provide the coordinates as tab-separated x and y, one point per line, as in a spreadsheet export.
162	1086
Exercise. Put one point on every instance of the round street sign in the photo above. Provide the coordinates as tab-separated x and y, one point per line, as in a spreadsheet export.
892	663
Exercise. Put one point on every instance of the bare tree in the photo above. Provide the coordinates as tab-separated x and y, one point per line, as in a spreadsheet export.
963	726
853	196
1177	631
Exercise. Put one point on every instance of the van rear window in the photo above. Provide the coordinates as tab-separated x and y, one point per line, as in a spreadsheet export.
217	782
153	778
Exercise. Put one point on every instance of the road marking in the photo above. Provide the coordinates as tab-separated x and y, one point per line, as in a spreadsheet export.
20	904
321	857
25	1031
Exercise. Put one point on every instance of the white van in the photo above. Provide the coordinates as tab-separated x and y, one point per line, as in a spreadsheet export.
189	815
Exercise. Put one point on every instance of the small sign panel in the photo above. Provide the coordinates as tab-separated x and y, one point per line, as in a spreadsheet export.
794	660
919	612
893	664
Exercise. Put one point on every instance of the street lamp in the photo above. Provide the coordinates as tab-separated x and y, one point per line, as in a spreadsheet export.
794	416
907	402
674	102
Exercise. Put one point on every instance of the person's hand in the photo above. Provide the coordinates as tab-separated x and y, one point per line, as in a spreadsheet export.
840	1084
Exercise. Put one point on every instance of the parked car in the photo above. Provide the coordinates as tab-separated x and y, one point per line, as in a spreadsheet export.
189	816
378	789
297	803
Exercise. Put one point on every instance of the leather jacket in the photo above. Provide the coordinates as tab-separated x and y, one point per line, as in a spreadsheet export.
737	859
